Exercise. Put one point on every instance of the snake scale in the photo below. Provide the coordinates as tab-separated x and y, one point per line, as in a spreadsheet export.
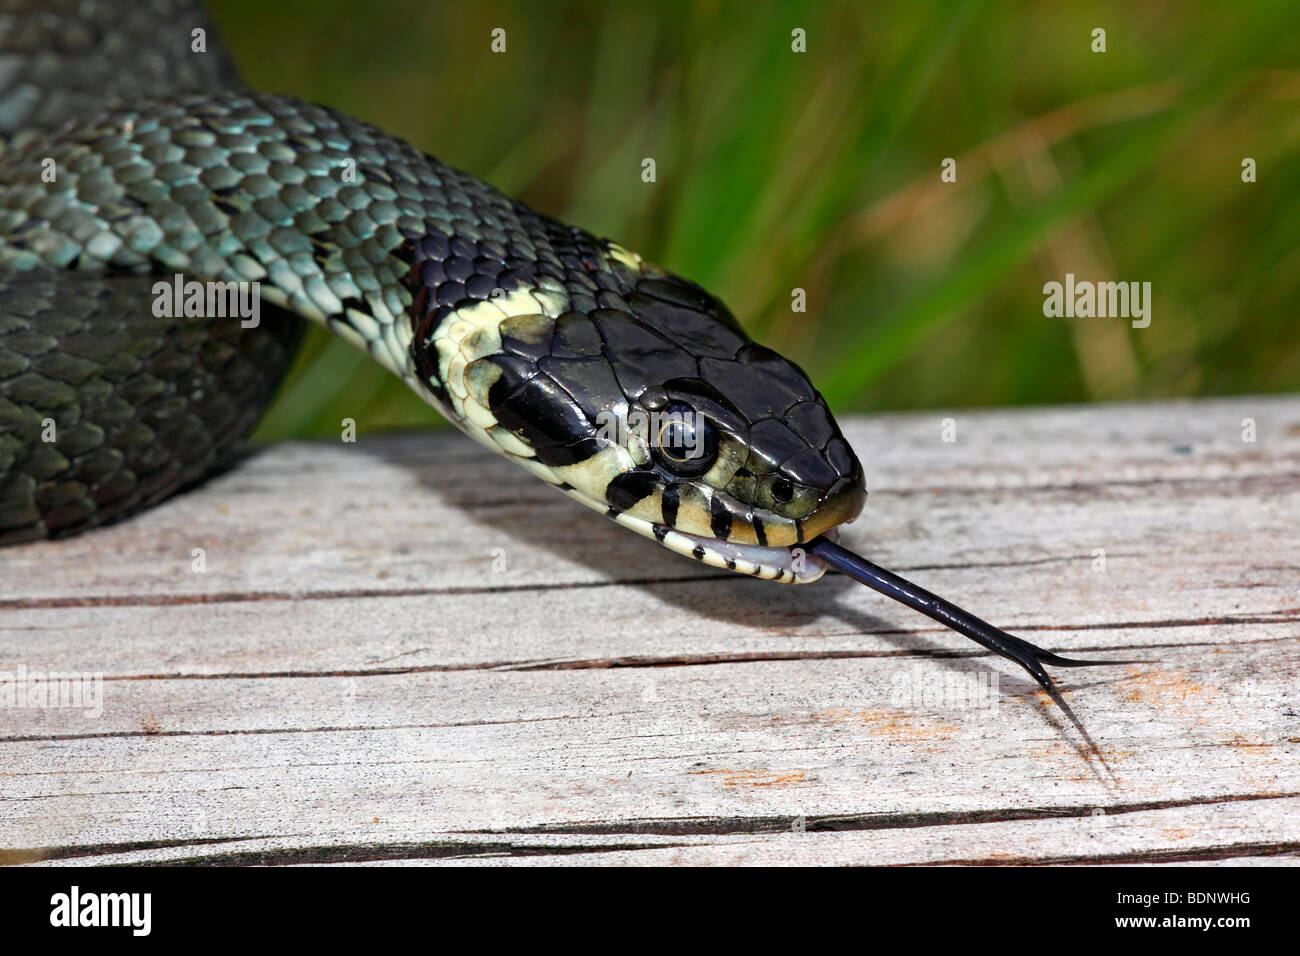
132	162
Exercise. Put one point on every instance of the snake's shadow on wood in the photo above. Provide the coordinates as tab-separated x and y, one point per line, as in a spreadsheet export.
697	591
706	593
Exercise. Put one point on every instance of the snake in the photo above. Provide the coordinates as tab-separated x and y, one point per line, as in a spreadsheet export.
134	169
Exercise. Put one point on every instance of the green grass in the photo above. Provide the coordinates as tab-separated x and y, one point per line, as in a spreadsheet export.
820	170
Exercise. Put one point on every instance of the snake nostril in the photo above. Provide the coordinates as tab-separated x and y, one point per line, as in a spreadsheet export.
782	491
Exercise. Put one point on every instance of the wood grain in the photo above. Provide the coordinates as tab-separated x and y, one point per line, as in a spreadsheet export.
404	650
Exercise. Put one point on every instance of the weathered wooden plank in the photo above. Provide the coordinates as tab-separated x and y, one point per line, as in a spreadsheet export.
349	672
1154	836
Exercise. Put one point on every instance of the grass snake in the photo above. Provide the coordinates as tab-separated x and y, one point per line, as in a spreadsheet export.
133	163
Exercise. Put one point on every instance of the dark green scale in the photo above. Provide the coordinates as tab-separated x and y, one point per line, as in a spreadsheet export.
106	410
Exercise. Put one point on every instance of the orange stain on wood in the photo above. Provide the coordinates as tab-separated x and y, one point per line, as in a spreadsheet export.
1155	687
894	724
747	779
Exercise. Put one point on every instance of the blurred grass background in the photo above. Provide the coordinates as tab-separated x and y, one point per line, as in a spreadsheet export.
821	170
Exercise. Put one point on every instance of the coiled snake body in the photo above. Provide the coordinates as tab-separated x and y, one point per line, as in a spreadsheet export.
531	336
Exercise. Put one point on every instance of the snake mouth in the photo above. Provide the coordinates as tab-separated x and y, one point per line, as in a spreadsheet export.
792	565
786	565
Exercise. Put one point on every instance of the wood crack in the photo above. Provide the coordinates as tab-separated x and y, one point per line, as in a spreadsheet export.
722	826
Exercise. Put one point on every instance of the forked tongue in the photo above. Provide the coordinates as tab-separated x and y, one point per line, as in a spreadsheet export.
1029	656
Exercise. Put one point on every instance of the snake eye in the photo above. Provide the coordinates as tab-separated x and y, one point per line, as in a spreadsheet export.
683	441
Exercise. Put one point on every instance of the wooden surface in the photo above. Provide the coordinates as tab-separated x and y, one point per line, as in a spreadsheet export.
351	678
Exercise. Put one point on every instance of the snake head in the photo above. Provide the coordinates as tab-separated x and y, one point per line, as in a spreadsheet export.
654	407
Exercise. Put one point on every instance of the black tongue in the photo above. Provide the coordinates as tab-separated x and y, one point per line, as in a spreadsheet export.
1029	656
